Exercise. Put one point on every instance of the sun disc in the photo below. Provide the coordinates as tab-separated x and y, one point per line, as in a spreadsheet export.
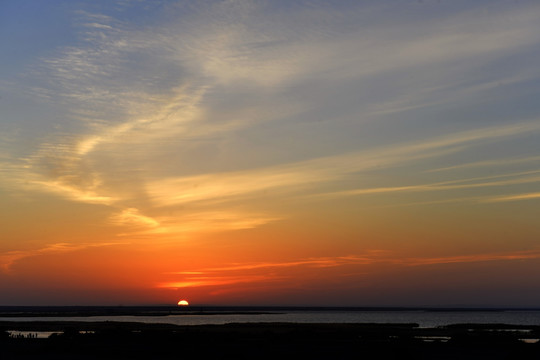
183	303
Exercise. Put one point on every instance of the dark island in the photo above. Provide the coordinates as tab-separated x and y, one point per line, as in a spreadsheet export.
122	340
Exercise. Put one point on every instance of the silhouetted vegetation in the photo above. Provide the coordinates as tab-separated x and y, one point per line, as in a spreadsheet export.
113	340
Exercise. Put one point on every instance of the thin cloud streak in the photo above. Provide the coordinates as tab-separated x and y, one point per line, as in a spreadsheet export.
518	197
313	262
170	227
217	281
442	186
227	185
133	217
218	276
377	257
511	256
490	163
9	258
209	221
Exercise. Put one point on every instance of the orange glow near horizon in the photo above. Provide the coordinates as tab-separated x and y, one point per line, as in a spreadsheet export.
270	153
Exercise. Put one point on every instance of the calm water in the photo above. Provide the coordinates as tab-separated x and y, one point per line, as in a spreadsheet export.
423	318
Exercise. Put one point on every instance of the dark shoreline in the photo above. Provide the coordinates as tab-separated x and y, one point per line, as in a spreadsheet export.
121	340
164	310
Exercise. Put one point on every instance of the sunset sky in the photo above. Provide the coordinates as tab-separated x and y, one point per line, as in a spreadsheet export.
260	152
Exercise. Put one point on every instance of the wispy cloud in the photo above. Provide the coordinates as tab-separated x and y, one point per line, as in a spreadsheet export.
490	163
251	272
446	185
509	256
279	271
516	197
226	185
153	103
200	281
209	221
323	262
133	217
7	259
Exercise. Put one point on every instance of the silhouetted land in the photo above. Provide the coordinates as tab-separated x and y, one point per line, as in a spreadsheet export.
121	340
43	311
67	311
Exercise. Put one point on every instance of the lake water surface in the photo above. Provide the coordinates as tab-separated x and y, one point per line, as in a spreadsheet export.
421	317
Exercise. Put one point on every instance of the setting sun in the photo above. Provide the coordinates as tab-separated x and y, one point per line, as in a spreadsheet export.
269	153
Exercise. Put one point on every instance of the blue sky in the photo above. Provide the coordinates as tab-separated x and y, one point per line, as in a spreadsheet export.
407	127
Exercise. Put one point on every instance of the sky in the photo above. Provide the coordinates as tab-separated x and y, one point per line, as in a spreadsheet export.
257	152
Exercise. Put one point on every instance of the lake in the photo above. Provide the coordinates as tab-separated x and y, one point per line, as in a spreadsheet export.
425	318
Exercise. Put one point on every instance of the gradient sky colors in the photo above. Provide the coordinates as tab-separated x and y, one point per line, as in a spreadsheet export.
243	152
